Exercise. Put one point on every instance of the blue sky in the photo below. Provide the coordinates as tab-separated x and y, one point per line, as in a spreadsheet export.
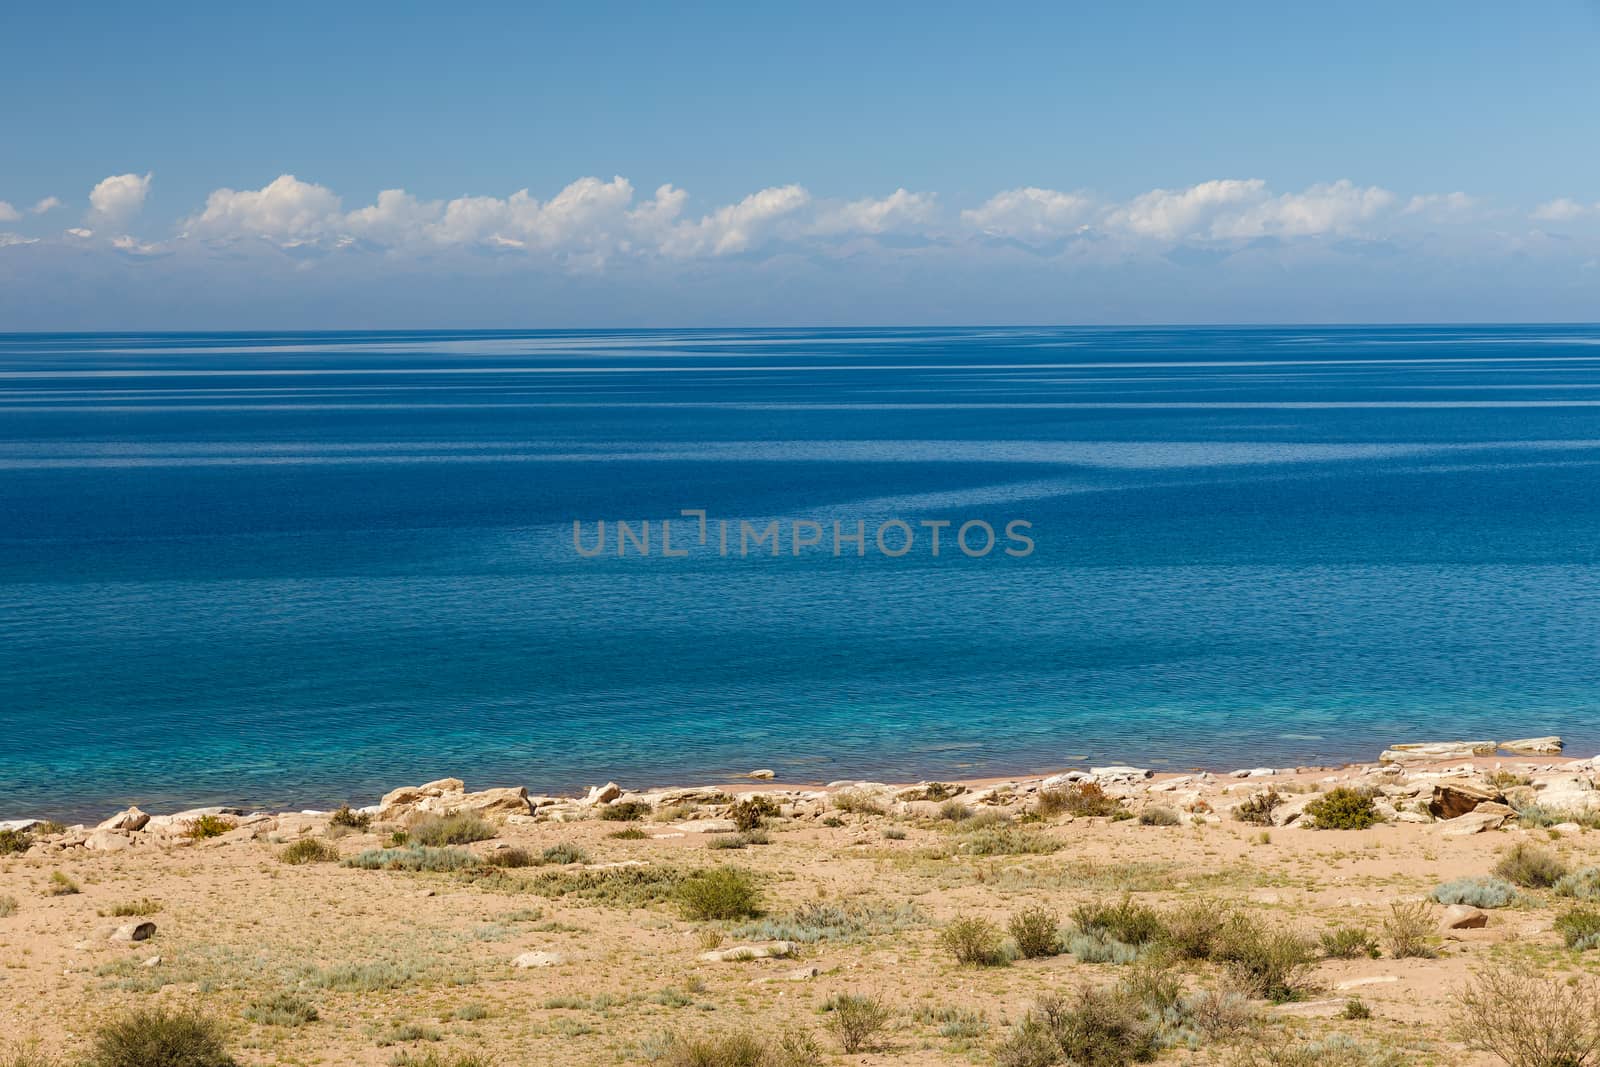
650	164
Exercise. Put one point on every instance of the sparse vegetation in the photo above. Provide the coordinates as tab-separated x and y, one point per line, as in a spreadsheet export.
1580	928
1006	841
1528	1019
1530	866
1349	943
350	819
130	908
1408	931
562	853
628	833
752	812
857	1020
1343	808
1082	799
1159	817
1036	933
61	885
206	826
1580	885
974	942
14	841
157	1037
856	802
719	893
1126	921
457	828
1090	1028
8	906
281	1009
625	811
510	858
793	1049
1269	963
413	858
1257	809
1478	892
309	850
1190	931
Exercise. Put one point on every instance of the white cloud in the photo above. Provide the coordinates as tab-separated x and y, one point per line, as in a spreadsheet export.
736	227
1564	209
117	199
1440	204
9	239
898	212
1191	212
1030	214
286	210
49	203
80	233
8	213
1335	208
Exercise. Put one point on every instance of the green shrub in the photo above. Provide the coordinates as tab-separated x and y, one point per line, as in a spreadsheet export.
1091	1028
1084	799
954	811
1190	931
1349	943
563	852
1579	928
1257	809
857	1021
209	826
818	920
1343	808
1098	948
1268	963
14	841
1126	921
625	811
1530	866
309	850
130	908
457	828
1355	1008
1478	892
1006	841
628	833
752	812
1159	817
893	833
855	802
1408	931
350	819
720	893
1580	885
510	857
1529	1019
61	885
974	942
159	1038
1036	932
413	858
281	1009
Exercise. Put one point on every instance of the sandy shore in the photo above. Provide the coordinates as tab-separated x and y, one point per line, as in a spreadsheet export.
565	933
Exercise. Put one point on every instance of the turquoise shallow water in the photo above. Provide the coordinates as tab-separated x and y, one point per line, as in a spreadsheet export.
298	569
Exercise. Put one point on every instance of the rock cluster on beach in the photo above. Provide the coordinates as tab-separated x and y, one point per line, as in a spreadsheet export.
1448	783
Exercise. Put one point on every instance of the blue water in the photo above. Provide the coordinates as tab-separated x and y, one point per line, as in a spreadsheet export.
292	569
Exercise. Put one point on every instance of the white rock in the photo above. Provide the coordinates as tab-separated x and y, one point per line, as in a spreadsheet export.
737	953
1535	746
538	959
765	772
19	824
108	841
128	819
134	932
1427	751
602	794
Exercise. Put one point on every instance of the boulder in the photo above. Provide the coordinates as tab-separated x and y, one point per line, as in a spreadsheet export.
1486	816
108	841
1571	794
1453	797
503	801
1535	746
1463	917
763	773
766	950
602	794
19	825
1431	751
538	959
143	931
1120	775
128	819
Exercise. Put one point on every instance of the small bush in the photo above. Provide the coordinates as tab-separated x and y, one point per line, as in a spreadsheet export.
1036	932
1528	1019
1084	799
855	802
625	811
954	811
61	885
457	828
159	1038
628	833
1159	817
974	942
8	906
719	893
1273	964
1478	892
563	853
1349	943
1006	841
1258	808
509	857
413	858
131	908
435	1058
893	833
1355	1008
1408	931
1190	931
752	812
209	826
1218	1014
1091	1028
794	1049
1343	809
14	841
857	1021
1275	1049
1530	866
1580	885
1098	948
1126	921
1579	928
309	850
350	819
281	1009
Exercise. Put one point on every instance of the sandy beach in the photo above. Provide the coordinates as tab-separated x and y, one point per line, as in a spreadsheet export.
554	930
